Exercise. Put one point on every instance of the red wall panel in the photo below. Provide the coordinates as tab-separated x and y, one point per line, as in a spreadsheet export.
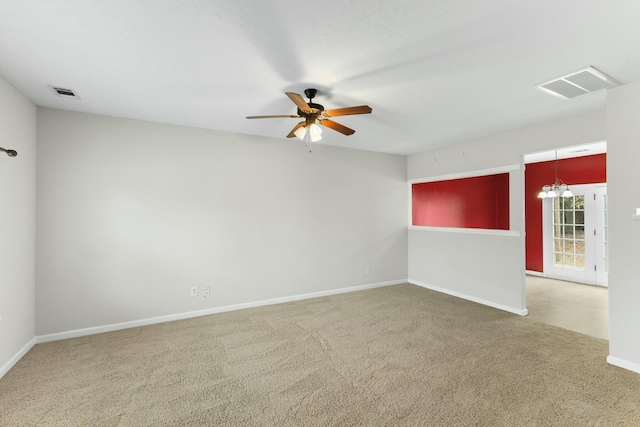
478	202
579	170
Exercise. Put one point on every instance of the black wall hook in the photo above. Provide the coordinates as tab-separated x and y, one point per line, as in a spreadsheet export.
10	153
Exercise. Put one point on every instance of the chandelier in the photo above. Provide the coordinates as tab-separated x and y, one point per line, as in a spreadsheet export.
557	189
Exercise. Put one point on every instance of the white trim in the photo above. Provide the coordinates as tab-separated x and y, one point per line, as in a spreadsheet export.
409	205
511	233
469	174
19	355
470	298
523	226
534	273
179	316
620	363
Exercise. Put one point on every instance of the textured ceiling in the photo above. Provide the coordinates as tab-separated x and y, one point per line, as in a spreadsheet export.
435	72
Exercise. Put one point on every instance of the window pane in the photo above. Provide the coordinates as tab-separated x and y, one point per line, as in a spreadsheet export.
580	262
569	260
557	231
579	245
559	259
579	202
579	217
557	217
567	202
579	234
568	232
568	217
557	245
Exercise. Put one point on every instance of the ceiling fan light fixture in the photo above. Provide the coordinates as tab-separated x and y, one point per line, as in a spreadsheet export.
300	132
315	132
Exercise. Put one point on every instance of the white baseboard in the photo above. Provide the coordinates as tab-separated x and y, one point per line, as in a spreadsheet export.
470	298
171	317
24	350
620	363
534	273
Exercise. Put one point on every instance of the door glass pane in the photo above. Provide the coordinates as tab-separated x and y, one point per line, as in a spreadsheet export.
567	202
568	217
568	238
558	245
569	260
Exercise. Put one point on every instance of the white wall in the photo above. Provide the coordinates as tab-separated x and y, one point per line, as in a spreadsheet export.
132	214
488	268
17	225
623	155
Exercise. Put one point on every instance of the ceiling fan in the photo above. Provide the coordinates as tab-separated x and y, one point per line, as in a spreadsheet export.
314	115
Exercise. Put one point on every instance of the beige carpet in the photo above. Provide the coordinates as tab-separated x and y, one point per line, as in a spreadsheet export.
399	355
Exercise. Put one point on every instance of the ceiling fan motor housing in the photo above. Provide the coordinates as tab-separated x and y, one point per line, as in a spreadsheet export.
313	106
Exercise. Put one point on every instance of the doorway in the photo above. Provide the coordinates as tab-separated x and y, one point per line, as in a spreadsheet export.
566	239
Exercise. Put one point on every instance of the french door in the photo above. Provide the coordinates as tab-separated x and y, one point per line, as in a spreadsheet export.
575	235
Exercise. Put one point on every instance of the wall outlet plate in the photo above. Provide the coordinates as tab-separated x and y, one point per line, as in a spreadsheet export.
206	290
194	291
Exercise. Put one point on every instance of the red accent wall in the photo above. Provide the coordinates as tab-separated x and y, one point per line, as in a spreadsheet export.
477	202
579	170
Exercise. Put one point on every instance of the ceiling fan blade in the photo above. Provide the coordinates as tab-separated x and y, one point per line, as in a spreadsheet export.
299	101
298	126
272	117
348	111
337	127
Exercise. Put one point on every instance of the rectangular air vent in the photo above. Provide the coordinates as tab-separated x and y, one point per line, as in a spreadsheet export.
577	83
64	92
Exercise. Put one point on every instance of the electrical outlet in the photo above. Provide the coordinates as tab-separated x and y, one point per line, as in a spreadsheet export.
194	291
206	290
367	270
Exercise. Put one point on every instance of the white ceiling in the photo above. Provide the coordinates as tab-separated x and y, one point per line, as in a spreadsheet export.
435	72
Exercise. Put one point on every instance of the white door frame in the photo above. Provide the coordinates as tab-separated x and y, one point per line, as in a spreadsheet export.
601	238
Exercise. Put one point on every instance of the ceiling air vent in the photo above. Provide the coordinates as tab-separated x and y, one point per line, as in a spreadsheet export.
64	92
577	83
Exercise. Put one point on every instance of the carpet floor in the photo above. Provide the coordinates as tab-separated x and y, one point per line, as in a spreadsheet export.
398	355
